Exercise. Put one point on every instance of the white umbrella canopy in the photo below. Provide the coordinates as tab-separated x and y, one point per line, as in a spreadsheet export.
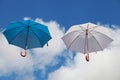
86	38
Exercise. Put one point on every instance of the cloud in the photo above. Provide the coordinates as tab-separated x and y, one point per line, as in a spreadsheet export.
37	59
104	65
11	61
56	46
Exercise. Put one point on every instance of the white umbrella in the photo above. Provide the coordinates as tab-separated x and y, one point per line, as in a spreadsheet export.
86	38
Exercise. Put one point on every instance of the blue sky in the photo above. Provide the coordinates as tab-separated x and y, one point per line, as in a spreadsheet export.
64	13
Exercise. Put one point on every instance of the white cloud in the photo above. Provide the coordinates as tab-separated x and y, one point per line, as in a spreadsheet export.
26	76
105	65
56	46
27	18
11	61
102	66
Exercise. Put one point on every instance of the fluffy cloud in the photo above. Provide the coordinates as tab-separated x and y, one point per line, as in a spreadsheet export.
104	65
56	46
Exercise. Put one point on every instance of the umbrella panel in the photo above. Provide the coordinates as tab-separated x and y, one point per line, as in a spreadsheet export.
76	41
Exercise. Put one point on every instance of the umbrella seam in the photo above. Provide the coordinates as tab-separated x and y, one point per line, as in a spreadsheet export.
13	28
104	35
16	36
74	40
97	41
43	31
23	24
38	24
93	28
82	28
36	35
73	32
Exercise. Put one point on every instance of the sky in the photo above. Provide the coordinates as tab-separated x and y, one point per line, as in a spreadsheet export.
66	13
56	62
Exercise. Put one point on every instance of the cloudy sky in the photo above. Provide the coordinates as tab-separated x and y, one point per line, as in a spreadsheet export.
56	62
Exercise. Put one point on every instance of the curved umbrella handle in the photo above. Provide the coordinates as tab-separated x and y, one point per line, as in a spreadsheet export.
23	54
87	57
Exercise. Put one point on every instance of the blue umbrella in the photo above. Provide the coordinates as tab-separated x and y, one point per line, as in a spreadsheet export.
27	34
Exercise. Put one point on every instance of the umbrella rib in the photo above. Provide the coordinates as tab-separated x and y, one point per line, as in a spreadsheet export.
103	34
35	24
97	41
14	28
36	35
43	31
74	40
83	29
23	24
16	36
93	28
74	31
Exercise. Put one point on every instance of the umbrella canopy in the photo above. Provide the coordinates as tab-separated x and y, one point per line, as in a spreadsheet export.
86	38
27	34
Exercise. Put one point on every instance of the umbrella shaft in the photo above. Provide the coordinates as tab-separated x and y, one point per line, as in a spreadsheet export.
87	49
27	40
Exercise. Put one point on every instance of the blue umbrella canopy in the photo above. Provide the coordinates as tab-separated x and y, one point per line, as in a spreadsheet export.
27	34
